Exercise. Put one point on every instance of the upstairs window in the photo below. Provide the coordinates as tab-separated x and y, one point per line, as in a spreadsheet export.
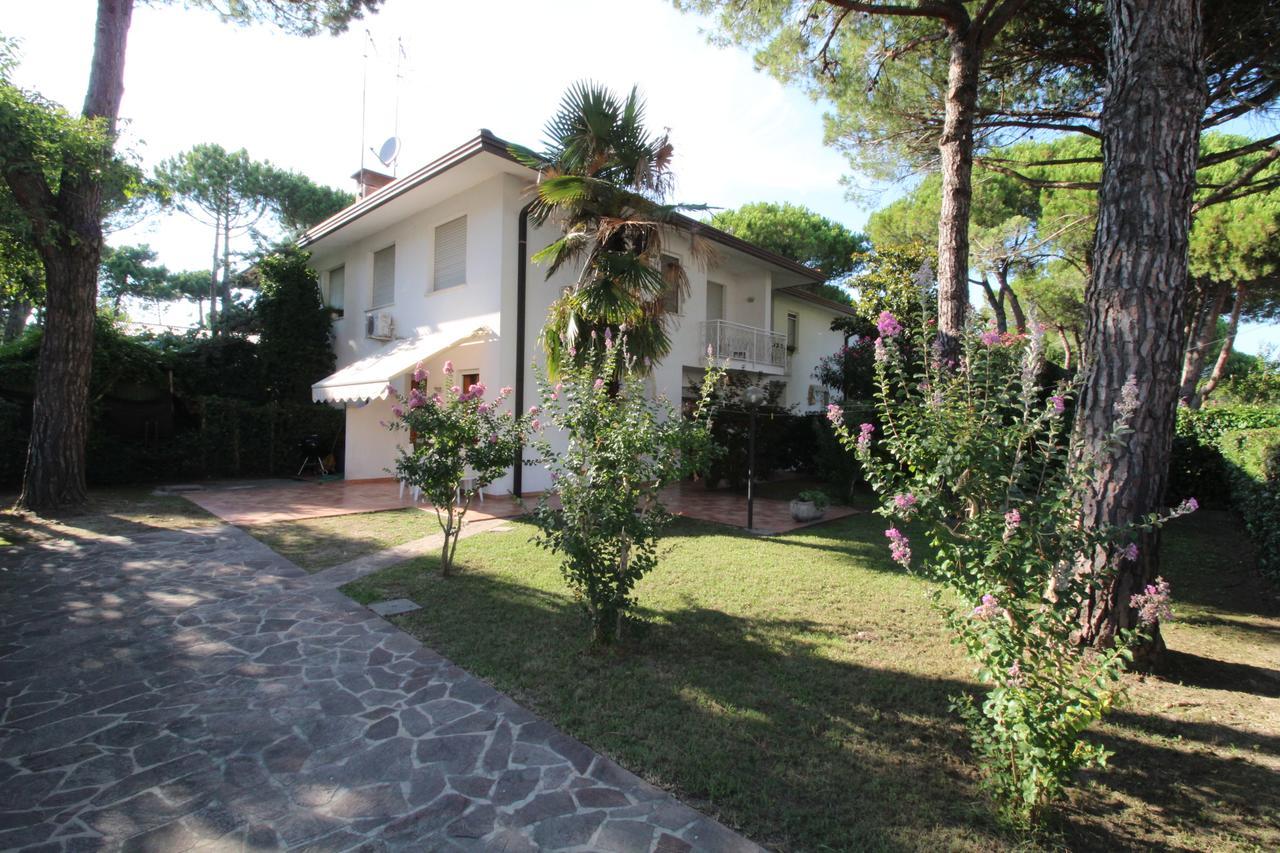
451	254
793	332
336	296
670	267
384	277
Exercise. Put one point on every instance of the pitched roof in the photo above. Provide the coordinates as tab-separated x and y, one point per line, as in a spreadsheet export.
487	143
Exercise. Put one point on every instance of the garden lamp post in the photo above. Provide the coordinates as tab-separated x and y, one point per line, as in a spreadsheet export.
753	396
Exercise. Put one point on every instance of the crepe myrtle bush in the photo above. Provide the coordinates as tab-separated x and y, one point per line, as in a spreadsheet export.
460	443
977	455
603	515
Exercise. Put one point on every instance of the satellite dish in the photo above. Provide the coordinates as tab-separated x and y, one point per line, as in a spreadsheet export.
389	151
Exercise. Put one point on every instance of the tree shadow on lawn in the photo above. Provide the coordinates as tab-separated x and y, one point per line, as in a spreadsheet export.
320	543
757	721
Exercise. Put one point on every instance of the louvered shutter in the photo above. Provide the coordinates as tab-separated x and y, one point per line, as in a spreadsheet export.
384	277
451	253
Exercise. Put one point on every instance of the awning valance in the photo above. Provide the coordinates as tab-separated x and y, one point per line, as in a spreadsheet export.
367	378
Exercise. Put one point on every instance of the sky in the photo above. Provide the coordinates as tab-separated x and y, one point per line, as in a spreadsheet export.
739	135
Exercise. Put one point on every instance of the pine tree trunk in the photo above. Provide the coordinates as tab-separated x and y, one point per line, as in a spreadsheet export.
1228	343
213	278
15	320
956	149
1015	305
1066	347
1135	298
54	477
1203	326
997	305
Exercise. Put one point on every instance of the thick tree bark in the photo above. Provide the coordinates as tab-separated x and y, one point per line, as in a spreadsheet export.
70	244
1201	329
1136	295
956	149
1228	343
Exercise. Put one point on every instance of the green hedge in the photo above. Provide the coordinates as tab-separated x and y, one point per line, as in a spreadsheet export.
1197	467
1253	464
233	438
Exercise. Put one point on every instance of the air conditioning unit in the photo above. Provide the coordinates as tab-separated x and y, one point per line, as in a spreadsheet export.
379	325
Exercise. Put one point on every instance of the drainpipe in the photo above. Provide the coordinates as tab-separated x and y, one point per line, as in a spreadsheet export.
522	263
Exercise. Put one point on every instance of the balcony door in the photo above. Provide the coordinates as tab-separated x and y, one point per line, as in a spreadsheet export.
715	301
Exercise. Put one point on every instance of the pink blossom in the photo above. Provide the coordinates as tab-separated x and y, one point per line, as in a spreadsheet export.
391	389
905	500
455	391
599	383
899	546
559	387
864	435
420	373
1012	519
478	389
448	368
1190	505
534	410
1058	403
483	409
888	325
990	338
988	608
397	411
416	399
1153	604
535	424
504	390
1130	552
493	439
835	414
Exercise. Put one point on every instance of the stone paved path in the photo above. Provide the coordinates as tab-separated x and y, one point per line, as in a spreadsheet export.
190	690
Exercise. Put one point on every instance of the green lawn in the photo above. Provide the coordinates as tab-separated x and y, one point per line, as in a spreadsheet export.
110	511
318	543
796	687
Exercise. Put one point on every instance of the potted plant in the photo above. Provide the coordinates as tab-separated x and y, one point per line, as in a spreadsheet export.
810	505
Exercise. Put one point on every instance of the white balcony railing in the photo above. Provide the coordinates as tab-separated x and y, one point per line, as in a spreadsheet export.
746	347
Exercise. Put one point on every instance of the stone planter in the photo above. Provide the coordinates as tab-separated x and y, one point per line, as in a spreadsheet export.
806	511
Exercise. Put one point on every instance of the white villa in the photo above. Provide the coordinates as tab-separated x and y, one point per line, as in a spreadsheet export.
434	266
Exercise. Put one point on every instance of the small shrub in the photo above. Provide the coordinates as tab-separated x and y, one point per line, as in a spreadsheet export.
460	443
816	497
623	448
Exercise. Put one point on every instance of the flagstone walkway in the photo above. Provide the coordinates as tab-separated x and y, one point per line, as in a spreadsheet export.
180	690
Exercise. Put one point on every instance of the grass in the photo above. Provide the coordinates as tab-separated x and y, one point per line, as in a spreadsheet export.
318	543
796	687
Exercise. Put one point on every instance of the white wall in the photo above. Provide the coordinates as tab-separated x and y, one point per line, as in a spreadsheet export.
814	342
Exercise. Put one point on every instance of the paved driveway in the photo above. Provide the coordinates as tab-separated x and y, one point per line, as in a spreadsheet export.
175	690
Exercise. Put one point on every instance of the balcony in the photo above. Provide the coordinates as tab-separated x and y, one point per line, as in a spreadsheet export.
746	347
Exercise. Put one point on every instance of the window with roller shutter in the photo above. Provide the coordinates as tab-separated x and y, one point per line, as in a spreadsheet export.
384	278
451	254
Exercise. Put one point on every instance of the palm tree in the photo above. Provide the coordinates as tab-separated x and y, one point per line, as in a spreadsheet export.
605	179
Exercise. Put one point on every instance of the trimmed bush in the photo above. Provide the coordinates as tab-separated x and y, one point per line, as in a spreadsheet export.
1253	465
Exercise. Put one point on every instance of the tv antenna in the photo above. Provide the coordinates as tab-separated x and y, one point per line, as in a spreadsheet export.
389	152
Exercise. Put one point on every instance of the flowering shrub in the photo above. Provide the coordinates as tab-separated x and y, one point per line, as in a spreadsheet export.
850	370
979	459
623	448
460	444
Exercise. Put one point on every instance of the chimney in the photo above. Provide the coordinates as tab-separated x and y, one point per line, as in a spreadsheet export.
369	182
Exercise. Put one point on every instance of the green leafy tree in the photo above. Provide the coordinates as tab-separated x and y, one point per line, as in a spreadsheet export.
131	272
299	202
460	443
222	189
192	285
604	179
798	233
61	169
624	446
897	279
296	344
